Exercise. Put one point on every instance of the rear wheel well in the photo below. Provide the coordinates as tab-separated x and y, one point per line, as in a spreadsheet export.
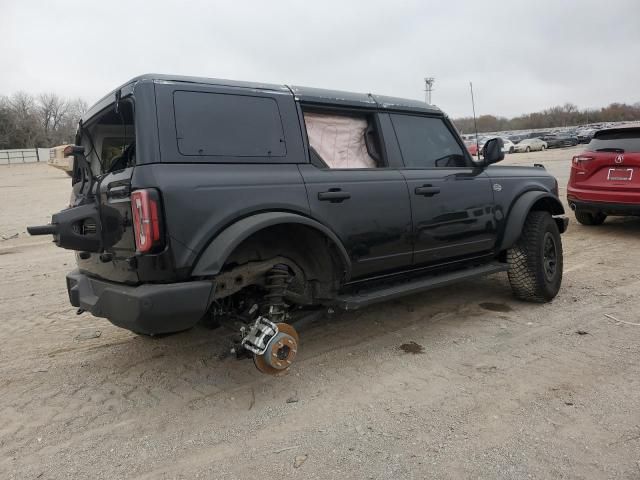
309	249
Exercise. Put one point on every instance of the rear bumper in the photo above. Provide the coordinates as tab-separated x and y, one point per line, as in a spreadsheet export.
605	207
602	196
149	309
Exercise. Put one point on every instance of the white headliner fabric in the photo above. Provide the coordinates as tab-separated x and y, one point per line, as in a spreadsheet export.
339	140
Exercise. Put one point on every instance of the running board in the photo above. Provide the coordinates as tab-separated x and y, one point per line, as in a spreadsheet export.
395	290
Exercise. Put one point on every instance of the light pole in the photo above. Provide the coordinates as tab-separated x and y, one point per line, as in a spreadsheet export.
428	88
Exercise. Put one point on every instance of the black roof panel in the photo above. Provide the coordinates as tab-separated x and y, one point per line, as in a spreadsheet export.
395	103
333	97
304	94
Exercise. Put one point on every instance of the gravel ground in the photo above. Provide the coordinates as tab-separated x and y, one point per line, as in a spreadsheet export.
490	387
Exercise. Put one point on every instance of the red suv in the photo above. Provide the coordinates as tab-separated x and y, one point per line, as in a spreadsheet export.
605	178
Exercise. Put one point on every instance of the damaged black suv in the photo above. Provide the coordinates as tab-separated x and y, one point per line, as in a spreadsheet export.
199	198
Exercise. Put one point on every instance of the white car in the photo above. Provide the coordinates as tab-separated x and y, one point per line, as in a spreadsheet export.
531	145
508	147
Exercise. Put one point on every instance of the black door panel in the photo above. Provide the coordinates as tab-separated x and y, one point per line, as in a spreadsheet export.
369	211
451	200
456	221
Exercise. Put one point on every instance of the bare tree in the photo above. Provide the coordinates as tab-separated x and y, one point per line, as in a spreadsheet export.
53	110
66	129
6	123
27	129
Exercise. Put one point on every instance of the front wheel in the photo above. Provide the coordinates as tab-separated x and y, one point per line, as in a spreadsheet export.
542	148
588	218
535	261
528	149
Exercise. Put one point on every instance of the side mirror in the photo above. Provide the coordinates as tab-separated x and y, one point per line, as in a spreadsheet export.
492	151
73	150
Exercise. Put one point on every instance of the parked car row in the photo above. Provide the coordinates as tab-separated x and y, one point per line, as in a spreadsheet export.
532	141
472	145
526	145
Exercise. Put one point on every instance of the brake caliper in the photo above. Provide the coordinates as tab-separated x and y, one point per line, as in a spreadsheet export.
261	332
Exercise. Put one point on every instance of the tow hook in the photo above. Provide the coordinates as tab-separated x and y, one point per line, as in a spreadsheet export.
274	345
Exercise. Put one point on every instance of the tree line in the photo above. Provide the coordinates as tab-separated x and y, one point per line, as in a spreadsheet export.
559	116
44	120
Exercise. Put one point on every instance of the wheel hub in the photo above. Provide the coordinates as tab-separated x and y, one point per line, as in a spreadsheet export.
280	352
550	256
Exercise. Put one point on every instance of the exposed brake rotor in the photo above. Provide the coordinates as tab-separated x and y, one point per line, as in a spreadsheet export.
280	352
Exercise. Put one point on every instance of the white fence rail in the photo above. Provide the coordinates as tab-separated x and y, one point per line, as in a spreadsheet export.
24	155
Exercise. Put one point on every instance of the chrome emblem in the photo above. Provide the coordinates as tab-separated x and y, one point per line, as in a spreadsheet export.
619	158
497	187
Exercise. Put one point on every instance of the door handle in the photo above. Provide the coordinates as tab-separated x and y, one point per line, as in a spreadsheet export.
334	196
427	190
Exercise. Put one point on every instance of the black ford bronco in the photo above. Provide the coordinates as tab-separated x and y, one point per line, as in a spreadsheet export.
247	203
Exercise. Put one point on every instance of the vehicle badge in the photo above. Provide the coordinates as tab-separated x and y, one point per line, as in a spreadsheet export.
619	158
497	187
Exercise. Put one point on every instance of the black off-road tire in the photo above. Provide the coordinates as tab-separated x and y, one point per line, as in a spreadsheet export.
588	218
533	274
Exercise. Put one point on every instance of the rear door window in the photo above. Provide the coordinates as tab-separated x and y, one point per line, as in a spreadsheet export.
343	141
213	124
427	142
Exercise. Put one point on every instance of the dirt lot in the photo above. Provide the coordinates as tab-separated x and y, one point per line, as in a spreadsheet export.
499	390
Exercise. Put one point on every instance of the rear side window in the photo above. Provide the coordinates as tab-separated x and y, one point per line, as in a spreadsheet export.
214	124
426	142
627	141
343	141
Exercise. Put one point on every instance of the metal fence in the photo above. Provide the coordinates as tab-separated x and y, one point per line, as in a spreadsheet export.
26	155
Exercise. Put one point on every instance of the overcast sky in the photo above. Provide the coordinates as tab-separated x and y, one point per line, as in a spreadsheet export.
522	56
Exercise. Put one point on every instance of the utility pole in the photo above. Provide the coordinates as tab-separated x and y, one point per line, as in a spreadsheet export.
428	88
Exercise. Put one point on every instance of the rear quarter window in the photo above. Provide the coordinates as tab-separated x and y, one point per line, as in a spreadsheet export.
229	125
627	141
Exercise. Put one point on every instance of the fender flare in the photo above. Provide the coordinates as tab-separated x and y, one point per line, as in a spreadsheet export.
521	208
216	253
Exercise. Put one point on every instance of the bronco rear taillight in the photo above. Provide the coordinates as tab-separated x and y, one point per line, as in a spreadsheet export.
145	207
581	160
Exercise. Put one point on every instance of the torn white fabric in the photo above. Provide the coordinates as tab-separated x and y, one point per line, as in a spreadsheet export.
339	140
